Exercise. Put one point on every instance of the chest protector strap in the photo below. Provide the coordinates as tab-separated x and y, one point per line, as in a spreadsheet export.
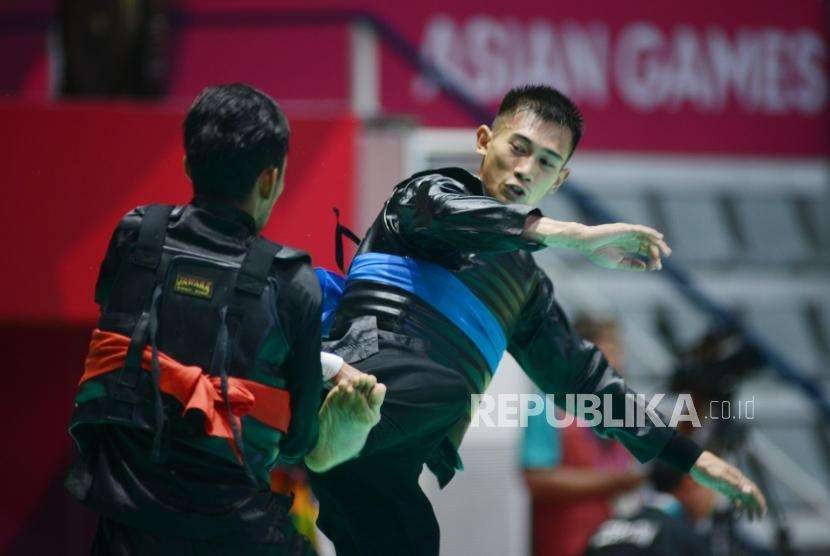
250	283
144	260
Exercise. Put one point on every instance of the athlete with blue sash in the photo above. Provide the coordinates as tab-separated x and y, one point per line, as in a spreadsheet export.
442	285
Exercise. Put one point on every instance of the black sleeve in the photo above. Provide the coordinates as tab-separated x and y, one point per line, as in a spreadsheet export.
560	362
300	315
435	210
125	233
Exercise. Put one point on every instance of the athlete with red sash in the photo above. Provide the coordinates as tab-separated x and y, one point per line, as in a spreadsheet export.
205	372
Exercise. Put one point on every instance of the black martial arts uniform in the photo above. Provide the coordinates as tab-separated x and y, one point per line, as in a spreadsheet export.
197	498
431	366
659	529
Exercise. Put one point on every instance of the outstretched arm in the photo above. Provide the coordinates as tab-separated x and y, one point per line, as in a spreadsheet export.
435	214
618	246
550	478
716	474
560	362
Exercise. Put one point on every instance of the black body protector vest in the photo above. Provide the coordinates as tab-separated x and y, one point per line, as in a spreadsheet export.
200	311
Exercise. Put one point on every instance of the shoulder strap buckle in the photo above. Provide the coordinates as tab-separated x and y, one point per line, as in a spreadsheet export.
148	248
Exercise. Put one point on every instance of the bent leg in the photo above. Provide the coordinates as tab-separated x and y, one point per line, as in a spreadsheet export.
349	412
375	506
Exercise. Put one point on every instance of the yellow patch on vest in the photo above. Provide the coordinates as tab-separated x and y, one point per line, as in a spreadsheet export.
193	285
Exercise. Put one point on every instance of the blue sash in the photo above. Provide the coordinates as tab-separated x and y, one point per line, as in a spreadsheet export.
443	291
332	285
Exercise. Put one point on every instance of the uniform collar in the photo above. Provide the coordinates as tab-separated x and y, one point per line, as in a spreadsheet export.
470	181
227	216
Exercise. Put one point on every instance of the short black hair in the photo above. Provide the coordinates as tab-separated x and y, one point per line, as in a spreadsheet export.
231	134
546	102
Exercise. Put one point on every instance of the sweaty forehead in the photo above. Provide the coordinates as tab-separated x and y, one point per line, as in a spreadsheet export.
545	134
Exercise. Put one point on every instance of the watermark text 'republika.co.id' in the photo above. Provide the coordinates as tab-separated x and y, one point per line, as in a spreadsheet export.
606	410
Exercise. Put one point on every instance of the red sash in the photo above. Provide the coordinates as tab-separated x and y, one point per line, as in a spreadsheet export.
195	389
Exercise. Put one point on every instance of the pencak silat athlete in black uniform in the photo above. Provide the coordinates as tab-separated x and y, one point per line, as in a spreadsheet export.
664	526
442	284
205	369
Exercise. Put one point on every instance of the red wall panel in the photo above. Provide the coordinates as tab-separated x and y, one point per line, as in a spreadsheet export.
70	171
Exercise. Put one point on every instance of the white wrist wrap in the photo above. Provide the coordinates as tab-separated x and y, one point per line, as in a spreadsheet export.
331	364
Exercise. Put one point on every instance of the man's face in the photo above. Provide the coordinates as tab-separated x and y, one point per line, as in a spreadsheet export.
524	157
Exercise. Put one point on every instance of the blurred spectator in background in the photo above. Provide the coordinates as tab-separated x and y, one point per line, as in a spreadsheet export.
666	524
114	47
573	474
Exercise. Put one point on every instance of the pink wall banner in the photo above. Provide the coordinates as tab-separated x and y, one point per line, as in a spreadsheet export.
738	76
